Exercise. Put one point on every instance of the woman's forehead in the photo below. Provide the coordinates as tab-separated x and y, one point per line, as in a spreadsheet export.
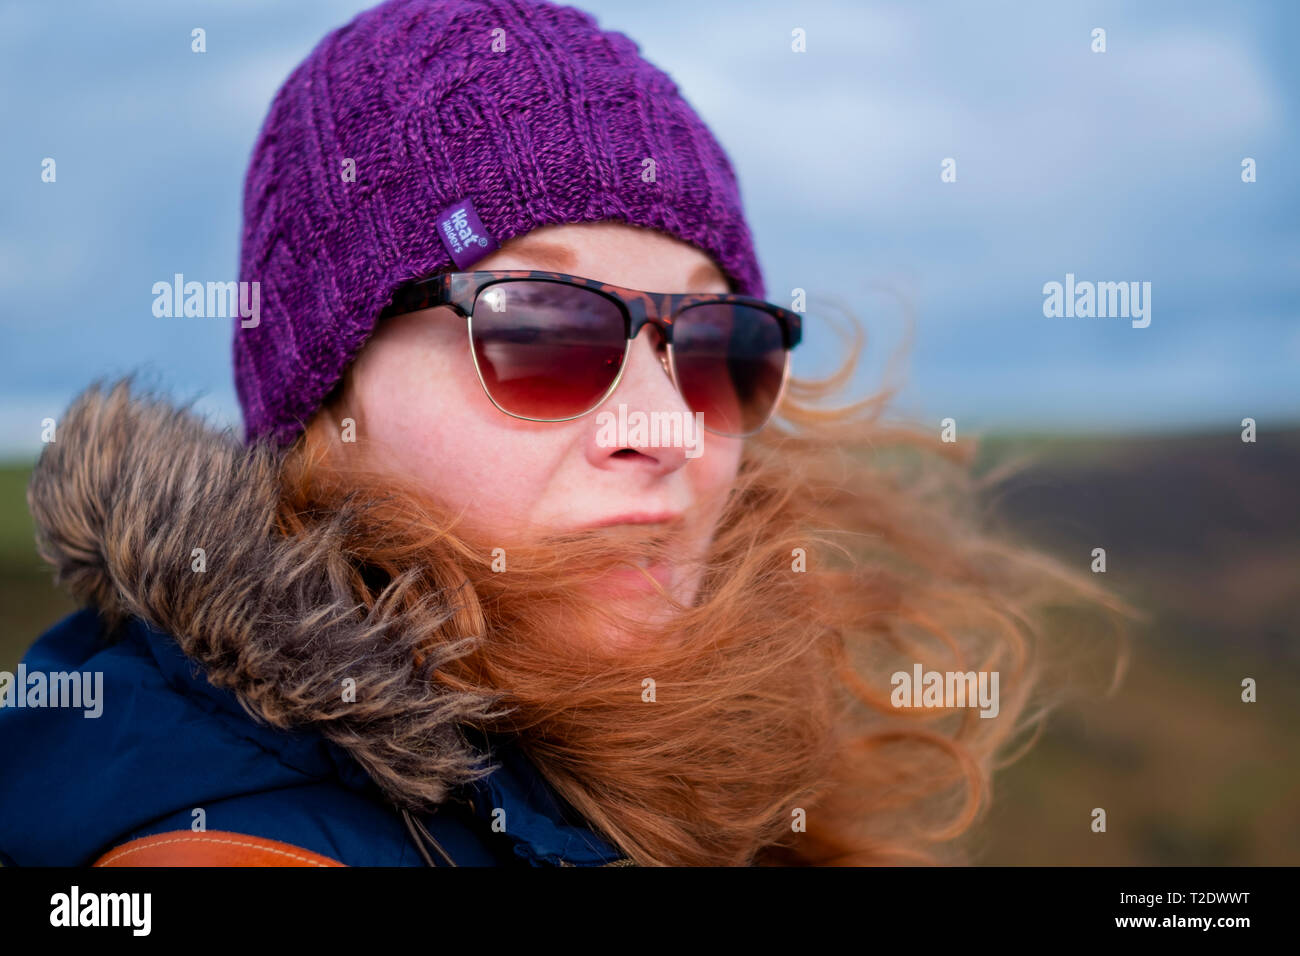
617	253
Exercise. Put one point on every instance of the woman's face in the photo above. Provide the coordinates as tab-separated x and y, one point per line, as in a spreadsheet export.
421	409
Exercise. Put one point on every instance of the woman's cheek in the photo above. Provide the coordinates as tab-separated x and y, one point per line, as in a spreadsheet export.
719	464
716	473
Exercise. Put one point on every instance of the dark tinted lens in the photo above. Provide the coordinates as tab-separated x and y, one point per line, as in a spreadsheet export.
546	350
730	361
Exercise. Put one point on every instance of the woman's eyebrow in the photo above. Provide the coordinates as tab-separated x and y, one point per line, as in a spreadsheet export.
549	255
705	274
560	258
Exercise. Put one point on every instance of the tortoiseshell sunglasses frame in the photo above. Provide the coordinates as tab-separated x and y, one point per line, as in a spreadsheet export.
461	290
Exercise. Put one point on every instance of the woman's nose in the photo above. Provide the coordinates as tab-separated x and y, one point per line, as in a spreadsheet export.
647	383
646	415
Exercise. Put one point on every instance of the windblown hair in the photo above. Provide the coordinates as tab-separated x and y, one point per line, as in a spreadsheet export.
754	726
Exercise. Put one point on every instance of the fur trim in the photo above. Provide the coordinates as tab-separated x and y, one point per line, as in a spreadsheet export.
128	491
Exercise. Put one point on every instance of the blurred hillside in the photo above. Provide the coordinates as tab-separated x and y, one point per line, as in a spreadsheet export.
1202	533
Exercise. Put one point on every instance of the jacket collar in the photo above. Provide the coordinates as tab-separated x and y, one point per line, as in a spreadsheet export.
303	750
542	827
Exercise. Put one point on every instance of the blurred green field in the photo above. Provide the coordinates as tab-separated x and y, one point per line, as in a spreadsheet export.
29	602
1203	534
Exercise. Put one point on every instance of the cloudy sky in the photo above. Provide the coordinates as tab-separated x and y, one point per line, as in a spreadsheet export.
1115	166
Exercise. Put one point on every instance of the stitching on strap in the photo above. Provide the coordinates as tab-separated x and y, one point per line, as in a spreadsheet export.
197	839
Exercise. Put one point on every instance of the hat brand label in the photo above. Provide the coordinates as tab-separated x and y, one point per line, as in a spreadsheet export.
463	234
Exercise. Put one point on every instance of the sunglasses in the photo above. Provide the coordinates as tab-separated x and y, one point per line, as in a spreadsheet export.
550	347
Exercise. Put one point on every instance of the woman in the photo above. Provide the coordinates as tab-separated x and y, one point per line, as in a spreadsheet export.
532	552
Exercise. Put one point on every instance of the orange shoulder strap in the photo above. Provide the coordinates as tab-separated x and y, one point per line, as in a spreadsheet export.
210	848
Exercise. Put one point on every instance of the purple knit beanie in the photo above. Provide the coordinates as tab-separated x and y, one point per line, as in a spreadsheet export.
525	109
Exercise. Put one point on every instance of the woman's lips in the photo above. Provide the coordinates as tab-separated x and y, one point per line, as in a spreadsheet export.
629	579
640	517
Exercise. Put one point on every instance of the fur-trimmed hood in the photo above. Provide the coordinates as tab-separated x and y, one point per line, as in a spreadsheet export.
146	511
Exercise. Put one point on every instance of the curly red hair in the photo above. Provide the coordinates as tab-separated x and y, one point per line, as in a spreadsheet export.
754	727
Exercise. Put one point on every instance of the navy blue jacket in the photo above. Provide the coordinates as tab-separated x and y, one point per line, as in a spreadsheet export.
168	743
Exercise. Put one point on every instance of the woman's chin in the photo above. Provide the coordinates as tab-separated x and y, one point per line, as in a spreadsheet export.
639	583
647	596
